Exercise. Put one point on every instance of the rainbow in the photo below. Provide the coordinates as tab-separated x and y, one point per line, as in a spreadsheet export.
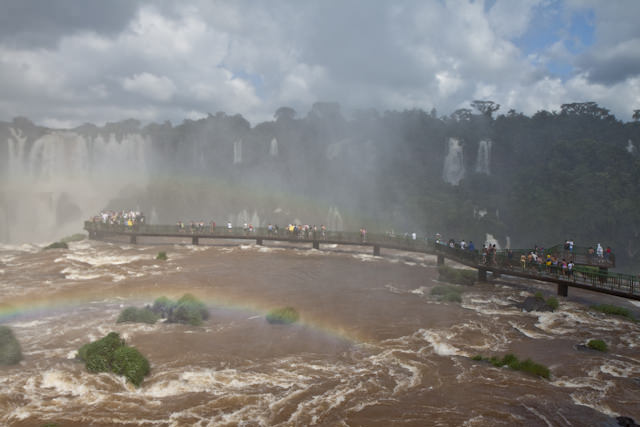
61	303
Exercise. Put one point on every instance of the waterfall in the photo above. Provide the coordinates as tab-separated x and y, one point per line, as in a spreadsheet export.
484	153
334	220
62	178
153	218
16	153
630	147
453	171
273	148
490	240
255	220
237	152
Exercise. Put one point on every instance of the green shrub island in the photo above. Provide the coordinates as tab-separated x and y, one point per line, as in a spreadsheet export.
541	304
188	309
447	293
110	354
57	245
162	256
78	237
138	315
512	362
456	275
10	352
284	315
614	309
597	345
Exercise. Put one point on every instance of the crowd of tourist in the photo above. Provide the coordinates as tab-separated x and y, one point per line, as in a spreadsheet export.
553	261
125	217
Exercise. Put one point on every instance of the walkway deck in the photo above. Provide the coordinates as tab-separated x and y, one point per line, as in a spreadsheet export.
626	286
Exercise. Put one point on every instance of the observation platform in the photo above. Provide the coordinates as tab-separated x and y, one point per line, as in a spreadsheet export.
504	263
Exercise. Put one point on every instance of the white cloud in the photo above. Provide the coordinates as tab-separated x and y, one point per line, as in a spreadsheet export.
151	86
209	56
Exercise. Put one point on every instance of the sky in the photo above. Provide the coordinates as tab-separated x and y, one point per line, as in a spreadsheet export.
68	62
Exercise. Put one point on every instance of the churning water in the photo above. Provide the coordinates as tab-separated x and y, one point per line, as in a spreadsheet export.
372	347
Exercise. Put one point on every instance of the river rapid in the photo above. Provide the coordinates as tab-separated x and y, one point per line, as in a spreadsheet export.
372	346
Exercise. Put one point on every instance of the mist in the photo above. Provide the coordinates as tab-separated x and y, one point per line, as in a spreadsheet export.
465	175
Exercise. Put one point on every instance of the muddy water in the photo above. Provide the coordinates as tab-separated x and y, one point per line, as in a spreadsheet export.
372	347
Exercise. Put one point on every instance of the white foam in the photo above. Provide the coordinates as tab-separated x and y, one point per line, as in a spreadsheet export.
620	369
526	332
440	346
75	274
101	260
31	324
366	257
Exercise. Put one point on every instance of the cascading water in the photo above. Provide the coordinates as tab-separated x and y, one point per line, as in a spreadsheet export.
237	152
453	171
484	155
491	240
630	147
334	220
273	148
62	178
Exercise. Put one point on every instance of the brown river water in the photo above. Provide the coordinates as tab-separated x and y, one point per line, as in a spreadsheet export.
372	346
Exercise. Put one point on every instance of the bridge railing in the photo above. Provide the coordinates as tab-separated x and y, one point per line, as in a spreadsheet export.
371	239
622	283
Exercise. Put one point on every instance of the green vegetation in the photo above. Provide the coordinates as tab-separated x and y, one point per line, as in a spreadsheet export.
551	302
163	306
57	245
285	315
597	345
456	275
137	315
110	354
614	309
447	293
188	309
512	362
128	362
162	256
10	352
78	237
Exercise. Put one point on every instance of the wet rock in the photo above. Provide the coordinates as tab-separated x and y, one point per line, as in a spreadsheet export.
626	422
534	304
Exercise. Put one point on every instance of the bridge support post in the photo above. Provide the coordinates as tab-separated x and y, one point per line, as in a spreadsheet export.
482	275
563	289
441	260
133	239
376	250
194	240
316	244
259	242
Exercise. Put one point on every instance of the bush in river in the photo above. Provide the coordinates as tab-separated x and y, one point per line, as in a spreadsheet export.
110	354
447	293
597	345
613	309
57	245
162	256
284	315
137	315
10	352
188	309
512	362
78	237
456	275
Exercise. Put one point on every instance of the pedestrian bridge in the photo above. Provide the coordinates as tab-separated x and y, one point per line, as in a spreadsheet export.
594	278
